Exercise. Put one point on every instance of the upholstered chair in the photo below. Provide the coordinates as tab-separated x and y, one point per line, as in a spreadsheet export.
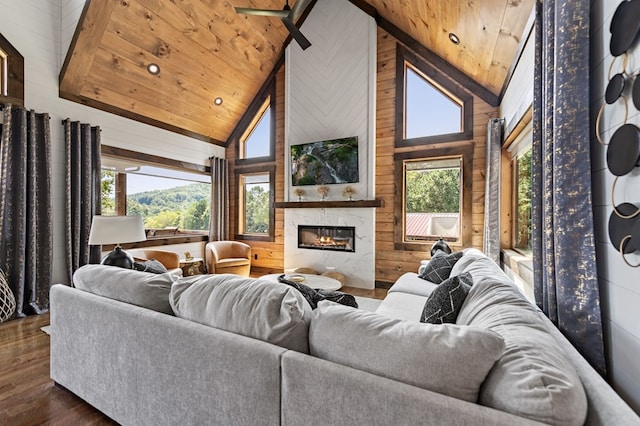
169	259
228	257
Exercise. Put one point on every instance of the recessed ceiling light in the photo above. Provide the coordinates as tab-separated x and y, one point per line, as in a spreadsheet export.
153	69
454	38
217	101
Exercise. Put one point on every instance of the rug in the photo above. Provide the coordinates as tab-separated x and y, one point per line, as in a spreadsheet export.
46	329
367	304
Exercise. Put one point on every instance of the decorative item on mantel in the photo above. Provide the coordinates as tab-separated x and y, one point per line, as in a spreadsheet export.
323	190
300	193
348	192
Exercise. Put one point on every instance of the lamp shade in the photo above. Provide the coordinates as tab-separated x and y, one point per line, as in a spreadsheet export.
116	230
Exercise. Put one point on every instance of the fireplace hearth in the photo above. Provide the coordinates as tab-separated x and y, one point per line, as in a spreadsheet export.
336	238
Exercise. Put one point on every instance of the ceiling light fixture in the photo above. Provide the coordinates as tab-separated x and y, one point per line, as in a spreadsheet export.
454	38
217	101
154	69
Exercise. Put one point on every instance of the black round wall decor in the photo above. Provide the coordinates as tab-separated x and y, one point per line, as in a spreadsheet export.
623	151
620	228
615	87
625	26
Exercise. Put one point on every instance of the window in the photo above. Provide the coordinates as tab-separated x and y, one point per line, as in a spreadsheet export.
518	152
3	73
522	216
429	110
255	134
432	108
436	197
171	201
11	74
256	142
432	199
255	200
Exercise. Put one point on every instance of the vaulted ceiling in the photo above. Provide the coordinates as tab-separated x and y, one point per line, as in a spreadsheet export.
206	50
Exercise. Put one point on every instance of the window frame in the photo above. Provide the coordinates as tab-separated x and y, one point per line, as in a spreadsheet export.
519	142
121	192
464	150
12	90
265	99
239	173
405	58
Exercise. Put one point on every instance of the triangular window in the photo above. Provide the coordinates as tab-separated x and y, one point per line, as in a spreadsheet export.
429	109
256	142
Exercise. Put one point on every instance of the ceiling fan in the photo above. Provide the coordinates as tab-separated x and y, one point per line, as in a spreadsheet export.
287	15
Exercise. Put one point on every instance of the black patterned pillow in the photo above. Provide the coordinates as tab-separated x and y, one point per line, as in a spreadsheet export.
444	303
439	267
153	266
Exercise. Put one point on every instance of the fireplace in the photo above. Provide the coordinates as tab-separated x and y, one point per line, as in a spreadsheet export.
337	238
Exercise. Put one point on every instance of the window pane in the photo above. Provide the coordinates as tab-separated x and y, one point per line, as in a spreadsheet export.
429	111
258	143
432	199
523	202
255	193
108	193
168	202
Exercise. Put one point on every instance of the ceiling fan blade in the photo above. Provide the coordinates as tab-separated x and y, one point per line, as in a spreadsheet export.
298	8
296	34
262	12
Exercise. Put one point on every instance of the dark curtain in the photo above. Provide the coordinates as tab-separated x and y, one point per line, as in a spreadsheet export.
491	244
563	242
219	219
82	192
26	249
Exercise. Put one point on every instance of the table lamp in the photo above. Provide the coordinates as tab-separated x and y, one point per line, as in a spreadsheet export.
117	230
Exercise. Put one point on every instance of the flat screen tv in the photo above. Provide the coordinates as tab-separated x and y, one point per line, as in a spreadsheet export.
325	162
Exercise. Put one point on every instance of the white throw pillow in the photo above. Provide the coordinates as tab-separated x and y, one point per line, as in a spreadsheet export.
449	359
150	291
273	312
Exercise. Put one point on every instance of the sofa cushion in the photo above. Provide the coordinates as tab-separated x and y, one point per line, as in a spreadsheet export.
445	301
448	359
411	283
439	268
534	372
261	309
404	306
150	291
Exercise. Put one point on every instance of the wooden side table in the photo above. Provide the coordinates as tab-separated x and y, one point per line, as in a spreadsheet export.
193	266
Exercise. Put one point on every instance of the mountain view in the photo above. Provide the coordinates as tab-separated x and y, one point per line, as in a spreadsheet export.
185	207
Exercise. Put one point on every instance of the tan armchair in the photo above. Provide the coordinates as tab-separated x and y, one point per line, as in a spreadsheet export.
228	257
169	259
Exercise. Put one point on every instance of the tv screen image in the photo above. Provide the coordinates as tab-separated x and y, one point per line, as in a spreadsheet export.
325	162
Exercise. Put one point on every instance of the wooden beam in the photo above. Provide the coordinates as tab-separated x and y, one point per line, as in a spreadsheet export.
153	159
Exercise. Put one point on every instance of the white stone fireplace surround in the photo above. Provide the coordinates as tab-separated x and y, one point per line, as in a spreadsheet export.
330	94
357	267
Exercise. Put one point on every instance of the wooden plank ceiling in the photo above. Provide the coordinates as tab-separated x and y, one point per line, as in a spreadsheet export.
206	50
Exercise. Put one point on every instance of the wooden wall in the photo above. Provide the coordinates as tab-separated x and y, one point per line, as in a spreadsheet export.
270	255
391	263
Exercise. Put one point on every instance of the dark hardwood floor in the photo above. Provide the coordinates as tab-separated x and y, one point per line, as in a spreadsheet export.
27	394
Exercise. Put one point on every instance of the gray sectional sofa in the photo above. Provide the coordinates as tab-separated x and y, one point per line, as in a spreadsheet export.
226	350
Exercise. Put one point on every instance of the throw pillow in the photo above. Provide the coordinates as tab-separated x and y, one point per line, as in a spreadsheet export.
444	303
449	359
260	309
150	291
152	266
439	268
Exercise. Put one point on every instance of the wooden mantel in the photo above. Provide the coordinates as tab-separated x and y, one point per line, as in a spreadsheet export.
327	204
